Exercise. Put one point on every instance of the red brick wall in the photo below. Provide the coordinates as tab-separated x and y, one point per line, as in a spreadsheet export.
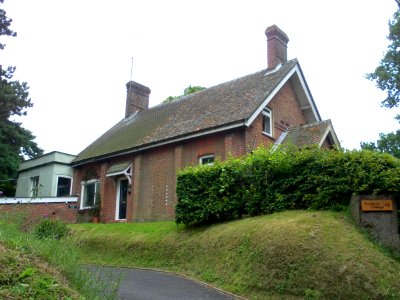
87	172
234	143
193	149
154	185
66	212
155	171
286	112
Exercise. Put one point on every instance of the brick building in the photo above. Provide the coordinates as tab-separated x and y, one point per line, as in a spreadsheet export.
133	165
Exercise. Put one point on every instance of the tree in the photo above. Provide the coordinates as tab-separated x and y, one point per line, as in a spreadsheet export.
387	78
189	90
387	74
387	143
16	142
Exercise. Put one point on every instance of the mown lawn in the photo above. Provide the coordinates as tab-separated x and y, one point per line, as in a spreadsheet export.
293	254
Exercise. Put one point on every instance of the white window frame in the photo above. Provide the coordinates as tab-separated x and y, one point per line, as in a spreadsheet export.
70	188
35	184
201	158
267	113
83	183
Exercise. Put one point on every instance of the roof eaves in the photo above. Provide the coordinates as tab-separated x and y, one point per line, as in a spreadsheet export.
43	165
159	143
308	92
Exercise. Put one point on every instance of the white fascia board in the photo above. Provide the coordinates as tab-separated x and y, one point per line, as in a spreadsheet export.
296	70
324	137
175	140
123	172
115	174
38	200
335	138
330	131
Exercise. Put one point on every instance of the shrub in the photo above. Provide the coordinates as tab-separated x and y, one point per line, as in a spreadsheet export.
267	181
48	228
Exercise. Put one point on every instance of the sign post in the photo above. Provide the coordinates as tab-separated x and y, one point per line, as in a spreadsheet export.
378	215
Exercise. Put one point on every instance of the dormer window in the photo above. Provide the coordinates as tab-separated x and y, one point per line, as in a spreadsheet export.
267	121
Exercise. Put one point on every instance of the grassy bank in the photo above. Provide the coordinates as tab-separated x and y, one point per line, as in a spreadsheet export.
32	268
24	276
295	254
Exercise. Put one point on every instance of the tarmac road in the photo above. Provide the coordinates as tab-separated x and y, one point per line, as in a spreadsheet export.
139	284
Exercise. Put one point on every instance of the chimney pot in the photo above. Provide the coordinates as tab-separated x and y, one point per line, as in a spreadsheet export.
277	46
137	98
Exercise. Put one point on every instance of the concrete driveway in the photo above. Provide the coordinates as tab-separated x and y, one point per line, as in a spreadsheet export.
142	284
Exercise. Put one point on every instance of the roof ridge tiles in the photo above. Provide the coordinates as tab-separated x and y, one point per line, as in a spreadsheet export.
185	97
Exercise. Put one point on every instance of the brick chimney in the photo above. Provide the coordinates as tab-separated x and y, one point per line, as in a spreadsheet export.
137	98
277	46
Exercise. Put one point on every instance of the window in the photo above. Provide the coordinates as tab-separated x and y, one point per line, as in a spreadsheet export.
63	186
34	186
90	190
267	121
206	159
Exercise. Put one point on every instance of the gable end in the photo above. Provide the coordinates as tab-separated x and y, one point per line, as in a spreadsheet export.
302	92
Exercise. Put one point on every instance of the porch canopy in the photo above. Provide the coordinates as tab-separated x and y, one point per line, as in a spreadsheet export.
122	168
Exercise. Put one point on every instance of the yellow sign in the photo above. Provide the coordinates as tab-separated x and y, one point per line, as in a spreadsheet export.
376	205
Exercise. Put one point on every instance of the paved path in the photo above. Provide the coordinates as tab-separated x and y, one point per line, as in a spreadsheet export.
142	284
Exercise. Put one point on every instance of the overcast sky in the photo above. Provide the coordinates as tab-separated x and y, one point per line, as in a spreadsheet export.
76	57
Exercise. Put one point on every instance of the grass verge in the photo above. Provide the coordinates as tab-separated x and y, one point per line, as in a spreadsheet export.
294	254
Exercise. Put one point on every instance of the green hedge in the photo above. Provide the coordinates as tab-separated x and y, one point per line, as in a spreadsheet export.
268	181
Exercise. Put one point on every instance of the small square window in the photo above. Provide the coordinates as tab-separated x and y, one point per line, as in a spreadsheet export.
206	159
267	121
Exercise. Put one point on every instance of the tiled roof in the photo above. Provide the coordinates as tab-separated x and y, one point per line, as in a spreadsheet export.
306	135
228	103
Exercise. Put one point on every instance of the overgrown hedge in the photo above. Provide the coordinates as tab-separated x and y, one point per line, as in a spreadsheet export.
268	181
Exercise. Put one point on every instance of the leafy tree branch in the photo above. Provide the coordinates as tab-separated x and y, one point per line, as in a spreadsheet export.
189	90
16	142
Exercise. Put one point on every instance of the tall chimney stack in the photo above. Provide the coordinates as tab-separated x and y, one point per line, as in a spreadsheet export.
137	98
277	46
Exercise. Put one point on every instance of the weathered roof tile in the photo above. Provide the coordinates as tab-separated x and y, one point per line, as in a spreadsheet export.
306	135
227	103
